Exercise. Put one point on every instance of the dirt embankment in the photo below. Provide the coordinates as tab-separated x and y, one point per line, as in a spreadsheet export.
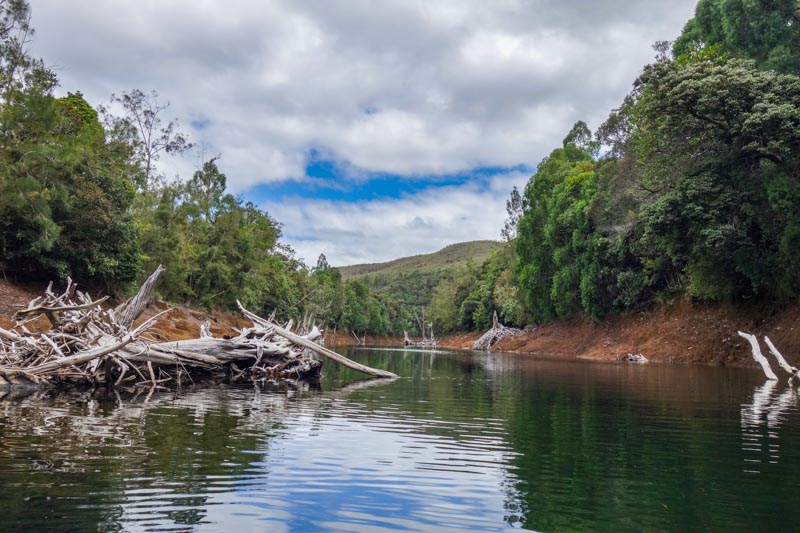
680	332
180	323
347	339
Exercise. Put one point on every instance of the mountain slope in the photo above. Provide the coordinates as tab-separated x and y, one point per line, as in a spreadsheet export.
448	257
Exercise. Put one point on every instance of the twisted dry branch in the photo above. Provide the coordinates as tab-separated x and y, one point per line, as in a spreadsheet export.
90	344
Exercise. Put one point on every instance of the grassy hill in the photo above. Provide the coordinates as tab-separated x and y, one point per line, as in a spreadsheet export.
448	257
407	284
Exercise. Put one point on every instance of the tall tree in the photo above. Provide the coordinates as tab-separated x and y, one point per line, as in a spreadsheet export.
142	127
721	172
515	206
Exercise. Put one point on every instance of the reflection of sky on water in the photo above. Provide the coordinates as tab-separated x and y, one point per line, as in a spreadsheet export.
346	472
332	463
461	441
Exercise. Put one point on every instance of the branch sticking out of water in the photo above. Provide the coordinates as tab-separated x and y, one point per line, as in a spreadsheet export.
759	357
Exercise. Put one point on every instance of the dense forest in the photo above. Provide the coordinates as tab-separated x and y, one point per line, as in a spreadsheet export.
690	188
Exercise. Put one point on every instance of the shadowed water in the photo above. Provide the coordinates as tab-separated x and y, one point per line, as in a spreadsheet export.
459	442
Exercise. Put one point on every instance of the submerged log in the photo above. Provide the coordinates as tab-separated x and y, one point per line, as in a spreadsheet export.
493	336
89	344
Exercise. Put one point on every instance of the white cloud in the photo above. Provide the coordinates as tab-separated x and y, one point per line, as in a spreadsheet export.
451	82
409	87
381	230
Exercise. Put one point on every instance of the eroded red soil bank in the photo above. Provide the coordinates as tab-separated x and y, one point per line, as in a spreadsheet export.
680	332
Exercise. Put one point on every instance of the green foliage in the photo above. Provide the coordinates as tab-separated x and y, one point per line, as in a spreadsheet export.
767	31
515	205
447	309
65	201
719	142
557	245
698	194
404	286
468	298
217	248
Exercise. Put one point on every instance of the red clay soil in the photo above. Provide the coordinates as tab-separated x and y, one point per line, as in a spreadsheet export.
181	323
681	332
459	341
14	297
347	339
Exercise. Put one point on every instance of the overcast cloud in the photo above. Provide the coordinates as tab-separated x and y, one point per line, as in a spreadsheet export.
419	89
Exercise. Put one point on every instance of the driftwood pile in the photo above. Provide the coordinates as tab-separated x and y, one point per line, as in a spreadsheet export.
89	344
424	342
493	336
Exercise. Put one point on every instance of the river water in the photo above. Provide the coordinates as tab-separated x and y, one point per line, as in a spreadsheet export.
460	442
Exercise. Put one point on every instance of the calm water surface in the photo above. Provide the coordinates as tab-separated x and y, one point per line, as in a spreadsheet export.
459	442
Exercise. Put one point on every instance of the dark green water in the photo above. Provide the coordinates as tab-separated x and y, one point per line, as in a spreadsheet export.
459	442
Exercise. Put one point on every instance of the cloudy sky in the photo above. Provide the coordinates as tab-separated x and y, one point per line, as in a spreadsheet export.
370	129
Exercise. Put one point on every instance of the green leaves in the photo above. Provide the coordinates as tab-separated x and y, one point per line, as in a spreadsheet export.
714	137
766	31
698	194
66	202
556	247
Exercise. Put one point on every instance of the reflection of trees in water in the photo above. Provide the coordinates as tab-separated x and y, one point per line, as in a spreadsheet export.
105	459
567	445
618	447
761	420
151	458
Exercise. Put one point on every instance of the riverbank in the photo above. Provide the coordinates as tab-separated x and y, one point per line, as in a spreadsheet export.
680	332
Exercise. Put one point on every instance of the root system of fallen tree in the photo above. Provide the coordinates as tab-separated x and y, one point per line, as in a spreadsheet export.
493	336
89	344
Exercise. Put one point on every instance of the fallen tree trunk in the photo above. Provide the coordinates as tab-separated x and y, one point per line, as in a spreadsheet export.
89	344
493	336
316	347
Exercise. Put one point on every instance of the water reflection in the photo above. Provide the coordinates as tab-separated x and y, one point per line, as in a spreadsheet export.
459	442
292	460
761	421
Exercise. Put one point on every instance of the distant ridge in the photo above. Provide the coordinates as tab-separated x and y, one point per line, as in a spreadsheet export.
448	257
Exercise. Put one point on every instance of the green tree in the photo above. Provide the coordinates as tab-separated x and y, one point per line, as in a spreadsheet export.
721	173
515	206
66	201
556	246
767	31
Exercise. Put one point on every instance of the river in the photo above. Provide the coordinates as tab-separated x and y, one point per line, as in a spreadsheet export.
460	442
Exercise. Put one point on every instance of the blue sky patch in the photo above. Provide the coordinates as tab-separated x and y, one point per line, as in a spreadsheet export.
332	181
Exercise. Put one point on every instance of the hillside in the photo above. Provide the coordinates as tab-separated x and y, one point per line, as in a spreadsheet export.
446	258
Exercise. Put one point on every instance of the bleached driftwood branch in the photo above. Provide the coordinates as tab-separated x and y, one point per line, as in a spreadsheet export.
793	371
758	356
316	347
493	336
89	344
